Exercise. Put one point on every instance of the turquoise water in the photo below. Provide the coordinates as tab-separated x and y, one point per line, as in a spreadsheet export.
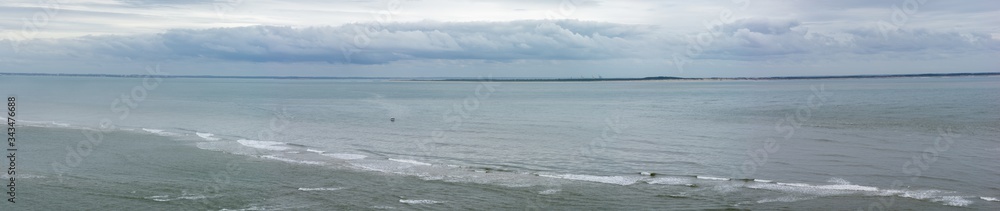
913	143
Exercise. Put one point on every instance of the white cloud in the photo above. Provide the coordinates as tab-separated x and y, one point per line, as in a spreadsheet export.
507	33
372	43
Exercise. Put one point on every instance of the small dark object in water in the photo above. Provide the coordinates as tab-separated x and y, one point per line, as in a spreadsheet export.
392	119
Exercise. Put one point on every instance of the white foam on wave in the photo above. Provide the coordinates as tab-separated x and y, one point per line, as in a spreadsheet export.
159	198
957	201
273	157
931	195
794	184
376	165
669	181
784	199
825	190
993	199
194	197
268	145
345	156
315	151
164	198
418	201
712	178
848	187
916	194
410	162
843	187
6	176
617	180
159	132
45	124
837	180
319	189
207	136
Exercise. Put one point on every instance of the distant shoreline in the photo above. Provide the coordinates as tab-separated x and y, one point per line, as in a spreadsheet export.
668	78
186	76
444	79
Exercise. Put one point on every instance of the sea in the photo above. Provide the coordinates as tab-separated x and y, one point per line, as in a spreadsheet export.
140	143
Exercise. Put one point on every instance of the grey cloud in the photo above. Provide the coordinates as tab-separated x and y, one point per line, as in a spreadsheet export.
763	25
763	39
372	43
378	44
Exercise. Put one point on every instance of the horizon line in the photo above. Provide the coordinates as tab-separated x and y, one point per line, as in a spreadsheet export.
445	78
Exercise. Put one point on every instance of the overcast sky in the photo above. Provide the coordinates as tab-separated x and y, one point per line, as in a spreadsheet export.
514	38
